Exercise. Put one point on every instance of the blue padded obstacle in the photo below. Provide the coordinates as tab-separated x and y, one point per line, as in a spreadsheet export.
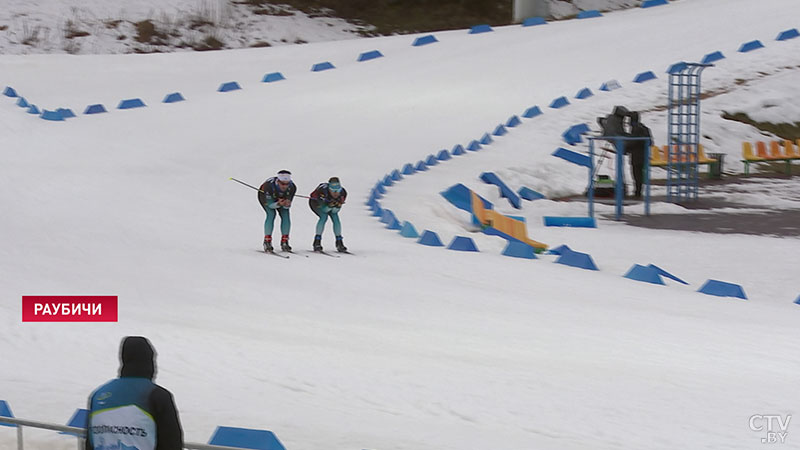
246	438
500	130
477	29
796	302
421	166
573	157
273	77
532	112
32	109
458	149
651	3
5	411
788	34
408	230
66	113
677	68
408	169
319	67
533	21
644	76
95	109
424	40
131	103
22	103
664	273
505	191
571	137
750	46
581	128
474	146
9	92
722	289
431	160
387	216
463	244
645	274
79	419
393	224
443	155
366	56
589	14
584	93
517	249
486	139
229	86
377	212
712	57
175	97
560	250
380	187
529	194
577	222
458	195
576	259
610	85
388	181
396	175
560	102
52	115
430	239
513	121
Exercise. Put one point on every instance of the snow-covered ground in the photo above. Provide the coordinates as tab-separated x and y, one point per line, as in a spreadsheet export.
401	346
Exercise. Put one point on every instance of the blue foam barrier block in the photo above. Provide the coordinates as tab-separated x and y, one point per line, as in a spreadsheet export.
387	216
430	239
577	259
533	21
131	103
505	191
477	29
396	176
644	274
577	222
421	166
79	419
246	438
431	160
529	194
66	113
513	121
409	169
750	46
377	212
560	250
33	109
584	93
722	289
571	138
589	14
491	231
788	34
319	67
500	130
486	139
712	57
424	40
5	411
380	187
408	230
517	249
474	146
573	157
796	302
443	155
366	56
10	92
532	112
95	109
388	181
581	128
664	273
560	102
228	87
463	244
458	195
174	98
644	76
273	77
652	3
52	116
677	67
610	85
22	103
458	150
393	224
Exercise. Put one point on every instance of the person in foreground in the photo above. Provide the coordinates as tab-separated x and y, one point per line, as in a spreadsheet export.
326	201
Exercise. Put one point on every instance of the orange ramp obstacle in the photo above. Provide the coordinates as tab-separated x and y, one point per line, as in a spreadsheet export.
507	226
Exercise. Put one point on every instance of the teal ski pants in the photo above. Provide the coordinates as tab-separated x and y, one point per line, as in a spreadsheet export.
269	223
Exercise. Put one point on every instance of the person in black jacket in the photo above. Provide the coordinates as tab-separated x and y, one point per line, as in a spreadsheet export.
131	411
276	194
636	150
326	201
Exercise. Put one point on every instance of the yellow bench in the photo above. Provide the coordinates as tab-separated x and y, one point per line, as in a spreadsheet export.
789	153
658	156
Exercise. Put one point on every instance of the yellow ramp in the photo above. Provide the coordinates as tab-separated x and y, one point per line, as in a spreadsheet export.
512	227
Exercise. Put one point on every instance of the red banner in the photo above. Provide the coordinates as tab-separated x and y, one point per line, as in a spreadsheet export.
78	308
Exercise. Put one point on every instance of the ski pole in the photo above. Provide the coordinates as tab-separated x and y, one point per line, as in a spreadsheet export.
259	190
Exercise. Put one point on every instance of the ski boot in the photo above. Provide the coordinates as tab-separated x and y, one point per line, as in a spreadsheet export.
285	243
268	244
340	245
317	243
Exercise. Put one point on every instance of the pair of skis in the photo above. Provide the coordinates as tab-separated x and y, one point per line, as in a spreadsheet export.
321	252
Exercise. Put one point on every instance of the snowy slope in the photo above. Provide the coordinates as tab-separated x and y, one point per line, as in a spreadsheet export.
401	346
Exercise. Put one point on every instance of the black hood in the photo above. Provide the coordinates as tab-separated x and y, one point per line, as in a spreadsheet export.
620	111
137	358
